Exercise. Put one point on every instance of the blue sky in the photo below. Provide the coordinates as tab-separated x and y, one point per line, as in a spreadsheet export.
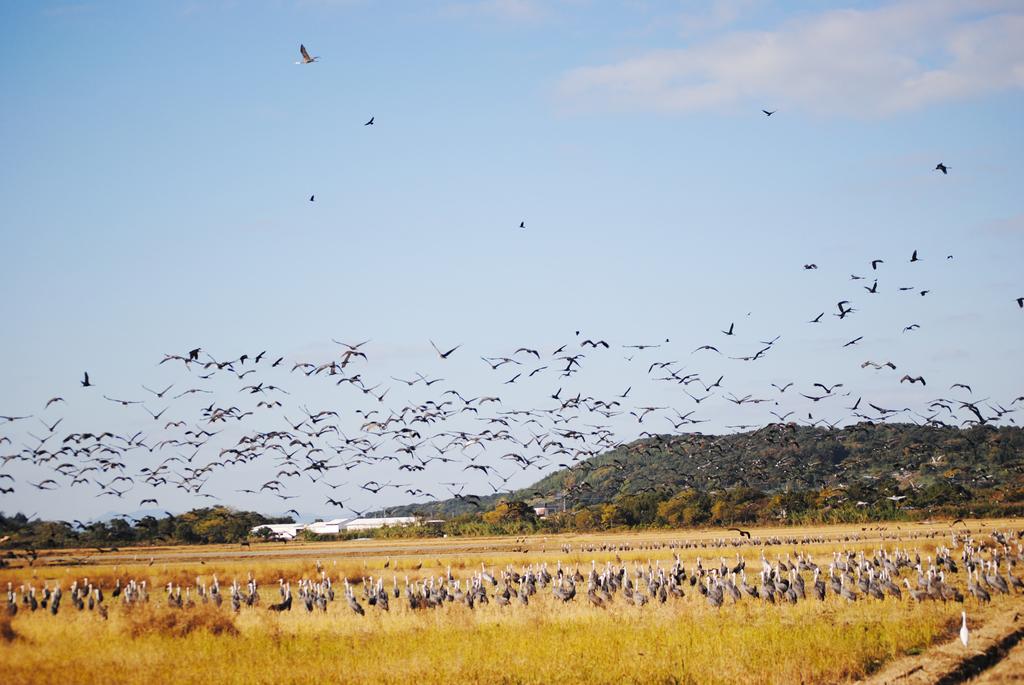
158	159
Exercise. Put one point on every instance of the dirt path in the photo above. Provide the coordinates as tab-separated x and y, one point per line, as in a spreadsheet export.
1009	670
995	653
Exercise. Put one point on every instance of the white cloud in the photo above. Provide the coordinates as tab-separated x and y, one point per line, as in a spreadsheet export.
902	56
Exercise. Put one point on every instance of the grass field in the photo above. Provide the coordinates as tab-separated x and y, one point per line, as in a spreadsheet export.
683	640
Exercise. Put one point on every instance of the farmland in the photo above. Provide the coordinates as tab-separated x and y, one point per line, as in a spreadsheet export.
550	639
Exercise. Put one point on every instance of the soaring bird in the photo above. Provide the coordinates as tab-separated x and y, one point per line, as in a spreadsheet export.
123	403
767	113
369	123
913	257
85	381
522	224
444	355
160	394
913	379
306	59
941	167
1020	302
312	198
729	332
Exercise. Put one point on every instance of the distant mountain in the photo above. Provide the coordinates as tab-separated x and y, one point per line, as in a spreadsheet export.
869	460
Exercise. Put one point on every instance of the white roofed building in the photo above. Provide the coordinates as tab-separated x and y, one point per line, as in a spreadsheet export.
369	523
280	531
288	531
331	527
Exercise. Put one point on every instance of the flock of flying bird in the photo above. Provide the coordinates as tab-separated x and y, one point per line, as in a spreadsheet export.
236	413
239	412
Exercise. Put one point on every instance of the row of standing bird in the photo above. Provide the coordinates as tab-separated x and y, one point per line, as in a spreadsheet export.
986	568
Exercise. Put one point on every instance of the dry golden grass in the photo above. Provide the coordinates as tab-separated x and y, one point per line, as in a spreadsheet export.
7	633
148	620
683	641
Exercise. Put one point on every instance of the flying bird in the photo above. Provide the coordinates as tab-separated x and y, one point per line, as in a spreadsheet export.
941	167
160	394
768	114
444	355
707	347
369	123
123	403
85	381
306	59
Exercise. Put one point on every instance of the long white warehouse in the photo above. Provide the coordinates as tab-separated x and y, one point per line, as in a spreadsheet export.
287	531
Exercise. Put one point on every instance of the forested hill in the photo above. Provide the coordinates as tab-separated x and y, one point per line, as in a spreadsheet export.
866	461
